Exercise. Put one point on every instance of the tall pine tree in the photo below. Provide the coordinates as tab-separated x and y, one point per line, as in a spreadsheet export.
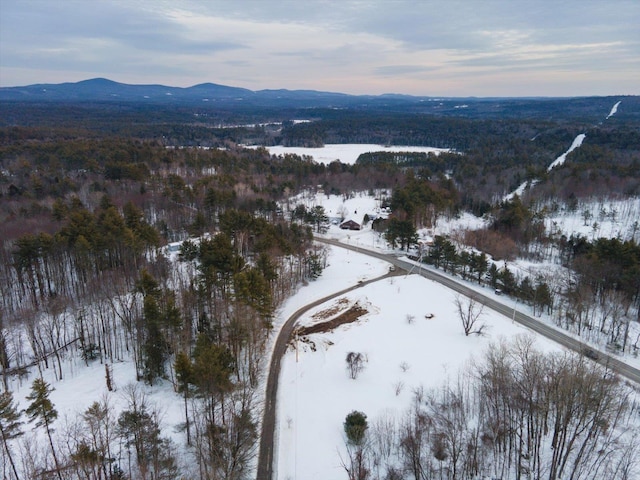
9	425
42	412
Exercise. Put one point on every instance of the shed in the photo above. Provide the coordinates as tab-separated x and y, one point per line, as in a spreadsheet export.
350	225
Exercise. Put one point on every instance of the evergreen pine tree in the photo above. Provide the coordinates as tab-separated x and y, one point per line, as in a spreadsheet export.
42	412
9	425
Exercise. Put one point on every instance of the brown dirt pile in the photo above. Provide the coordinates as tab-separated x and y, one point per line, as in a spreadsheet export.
349	316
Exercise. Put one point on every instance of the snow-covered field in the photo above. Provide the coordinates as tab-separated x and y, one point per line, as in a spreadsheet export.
347	153
405	350
610	218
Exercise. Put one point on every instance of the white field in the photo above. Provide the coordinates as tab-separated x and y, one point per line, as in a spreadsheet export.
316	393
347	153
611	218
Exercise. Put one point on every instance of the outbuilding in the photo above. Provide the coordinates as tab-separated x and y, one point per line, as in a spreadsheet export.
350	225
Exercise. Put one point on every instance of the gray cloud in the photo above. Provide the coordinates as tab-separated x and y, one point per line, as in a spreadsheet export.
427	47
394	70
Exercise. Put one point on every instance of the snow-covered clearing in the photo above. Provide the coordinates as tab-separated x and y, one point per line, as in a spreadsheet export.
556	163
611	218
411	337
614	109
561	159
405	350
347	153
83	385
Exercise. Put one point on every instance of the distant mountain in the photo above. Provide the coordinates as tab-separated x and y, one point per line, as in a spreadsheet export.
102	89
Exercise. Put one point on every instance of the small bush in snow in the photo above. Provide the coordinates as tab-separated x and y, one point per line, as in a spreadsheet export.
355	364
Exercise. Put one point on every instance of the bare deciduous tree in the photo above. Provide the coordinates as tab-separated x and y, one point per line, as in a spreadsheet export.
355	364
470	310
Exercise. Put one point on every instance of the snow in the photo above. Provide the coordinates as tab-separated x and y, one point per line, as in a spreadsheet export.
83	385
614	109
341	272
561	159
520	190
347	153
610	218
315	392
349	207
401	355
556	163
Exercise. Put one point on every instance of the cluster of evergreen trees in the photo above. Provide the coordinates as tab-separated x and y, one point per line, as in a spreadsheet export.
88	244
93	282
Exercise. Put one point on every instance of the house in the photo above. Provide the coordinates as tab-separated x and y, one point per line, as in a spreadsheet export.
350	225
174	247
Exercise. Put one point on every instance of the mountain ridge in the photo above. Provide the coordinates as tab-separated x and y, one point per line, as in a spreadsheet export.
103	93
104	89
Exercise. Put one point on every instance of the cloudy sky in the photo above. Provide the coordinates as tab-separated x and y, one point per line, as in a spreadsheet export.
420	47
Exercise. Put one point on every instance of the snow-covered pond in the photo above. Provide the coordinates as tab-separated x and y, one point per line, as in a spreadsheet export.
347	153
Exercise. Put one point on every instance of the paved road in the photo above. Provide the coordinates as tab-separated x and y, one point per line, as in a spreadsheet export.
266	452
537	326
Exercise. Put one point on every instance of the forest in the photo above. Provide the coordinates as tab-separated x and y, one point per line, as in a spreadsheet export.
93	198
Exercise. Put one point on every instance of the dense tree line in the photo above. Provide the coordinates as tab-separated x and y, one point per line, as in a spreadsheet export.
477	267
602	295
90	279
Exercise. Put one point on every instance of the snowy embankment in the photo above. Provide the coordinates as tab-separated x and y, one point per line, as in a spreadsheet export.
341	272
346	153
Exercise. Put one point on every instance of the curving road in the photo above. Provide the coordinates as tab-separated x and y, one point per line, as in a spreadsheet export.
623	369
266	452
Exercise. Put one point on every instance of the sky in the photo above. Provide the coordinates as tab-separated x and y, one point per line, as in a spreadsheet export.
417	47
